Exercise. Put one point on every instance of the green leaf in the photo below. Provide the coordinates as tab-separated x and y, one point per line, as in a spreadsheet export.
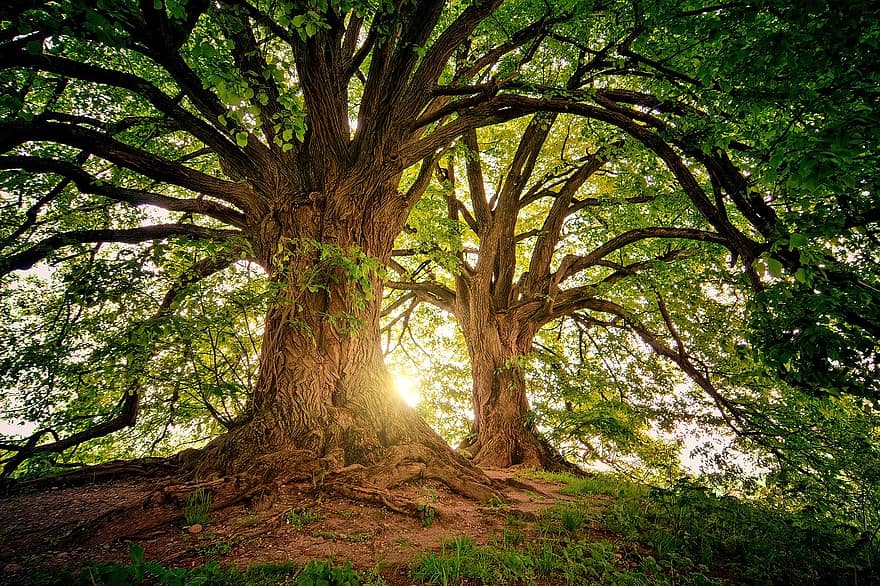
136	553
774	267
241	139
797	240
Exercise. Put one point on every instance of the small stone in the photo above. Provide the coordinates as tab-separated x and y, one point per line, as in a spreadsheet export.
12	568
195	528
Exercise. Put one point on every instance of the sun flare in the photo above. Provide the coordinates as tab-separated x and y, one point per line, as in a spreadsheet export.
408	389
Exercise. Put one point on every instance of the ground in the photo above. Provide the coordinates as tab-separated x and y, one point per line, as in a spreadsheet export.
72	526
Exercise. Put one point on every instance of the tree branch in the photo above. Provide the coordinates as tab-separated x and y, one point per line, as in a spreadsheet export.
87	183
573	264
29	257
129	404
434	293
154	167
99	75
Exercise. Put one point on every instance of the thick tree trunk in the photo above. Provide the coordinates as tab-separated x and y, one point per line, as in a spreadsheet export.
503	433
324	407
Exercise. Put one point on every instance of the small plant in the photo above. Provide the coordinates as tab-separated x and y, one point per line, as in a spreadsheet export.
511	538
572	519
301	517
250	520
495	502
427	513
218	548
430	494
197	507
373	577
326	574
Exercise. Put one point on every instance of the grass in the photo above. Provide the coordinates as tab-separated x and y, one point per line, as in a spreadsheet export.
217	547
301	517
460	559
139	571
683	535
197	507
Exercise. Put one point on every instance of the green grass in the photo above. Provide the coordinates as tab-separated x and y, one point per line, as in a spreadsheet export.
143	572
301	517
197	507
459	559
683	535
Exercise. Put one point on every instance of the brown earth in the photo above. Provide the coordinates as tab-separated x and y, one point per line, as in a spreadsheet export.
72	526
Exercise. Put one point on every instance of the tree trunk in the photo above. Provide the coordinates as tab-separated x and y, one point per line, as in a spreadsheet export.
503	433
324	403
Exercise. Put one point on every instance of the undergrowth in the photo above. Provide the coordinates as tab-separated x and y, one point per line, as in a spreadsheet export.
612	532
138	571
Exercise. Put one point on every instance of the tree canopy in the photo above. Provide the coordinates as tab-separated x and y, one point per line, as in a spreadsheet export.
218	193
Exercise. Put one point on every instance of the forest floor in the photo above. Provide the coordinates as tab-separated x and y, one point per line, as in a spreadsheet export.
65	528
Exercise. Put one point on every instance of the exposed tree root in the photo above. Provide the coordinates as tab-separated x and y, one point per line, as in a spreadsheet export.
522	448
251	467
144	467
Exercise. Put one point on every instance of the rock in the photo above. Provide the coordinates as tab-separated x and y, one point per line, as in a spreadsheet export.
12	568
195	528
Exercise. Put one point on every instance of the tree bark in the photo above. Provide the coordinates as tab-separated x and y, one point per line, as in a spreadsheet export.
503	433
324	403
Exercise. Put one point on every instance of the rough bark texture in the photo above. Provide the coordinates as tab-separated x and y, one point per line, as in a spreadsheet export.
503	432
324	404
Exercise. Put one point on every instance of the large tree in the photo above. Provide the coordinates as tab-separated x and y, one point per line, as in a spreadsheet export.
301	135
281	130
725	135
559	229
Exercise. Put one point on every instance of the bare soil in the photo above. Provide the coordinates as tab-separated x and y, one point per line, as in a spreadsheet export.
73	526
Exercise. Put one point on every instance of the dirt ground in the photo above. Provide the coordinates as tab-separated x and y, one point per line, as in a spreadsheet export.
60	526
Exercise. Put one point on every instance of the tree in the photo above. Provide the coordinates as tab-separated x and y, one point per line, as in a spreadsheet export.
685	114
301	135
552	241
238	120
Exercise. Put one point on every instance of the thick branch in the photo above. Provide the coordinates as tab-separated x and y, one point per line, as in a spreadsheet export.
434	293
125	418
154	167
548	235
87	183
31	256
573	264
91	73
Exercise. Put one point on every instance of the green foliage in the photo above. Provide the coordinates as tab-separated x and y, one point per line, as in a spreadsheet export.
326	574
102	338
756	540
460	559
210	574
301	517
427	514
786	91
197	507
798	328
216	547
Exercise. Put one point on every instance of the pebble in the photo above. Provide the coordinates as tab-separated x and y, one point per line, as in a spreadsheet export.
195	528
12	568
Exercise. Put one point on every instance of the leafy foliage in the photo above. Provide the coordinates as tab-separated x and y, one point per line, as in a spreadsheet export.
674	203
